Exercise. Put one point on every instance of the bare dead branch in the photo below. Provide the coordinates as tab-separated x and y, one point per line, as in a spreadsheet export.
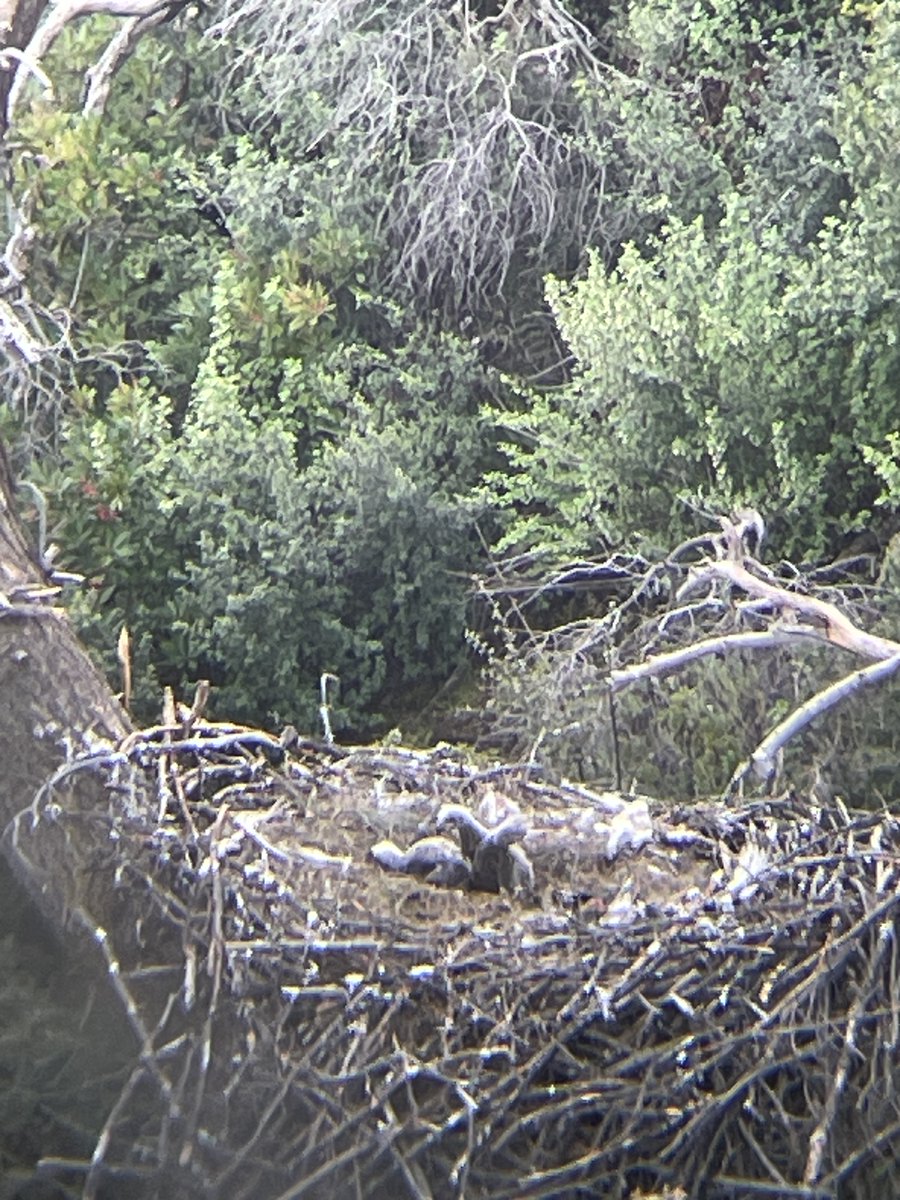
665	664
725	603
836	626
763	761
15	337
119	49
60	15
26	64
463	104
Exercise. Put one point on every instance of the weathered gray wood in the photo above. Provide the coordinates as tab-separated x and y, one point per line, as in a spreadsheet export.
18	22
55	702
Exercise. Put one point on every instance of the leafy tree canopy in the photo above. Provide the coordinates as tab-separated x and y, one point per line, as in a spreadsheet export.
283	263
744	352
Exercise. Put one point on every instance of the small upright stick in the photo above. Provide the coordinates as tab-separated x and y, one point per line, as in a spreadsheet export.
324	707
124	653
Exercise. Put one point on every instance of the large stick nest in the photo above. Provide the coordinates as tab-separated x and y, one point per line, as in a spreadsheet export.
700	998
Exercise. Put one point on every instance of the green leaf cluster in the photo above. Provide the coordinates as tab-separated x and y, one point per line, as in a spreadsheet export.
242	544
283	298
746	353
265	471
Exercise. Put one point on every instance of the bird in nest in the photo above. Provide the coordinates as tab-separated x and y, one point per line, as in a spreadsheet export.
434	859
498	863
487	858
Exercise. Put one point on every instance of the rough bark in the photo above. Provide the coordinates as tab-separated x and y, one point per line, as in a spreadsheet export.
18	22
56	707
80	827
57	704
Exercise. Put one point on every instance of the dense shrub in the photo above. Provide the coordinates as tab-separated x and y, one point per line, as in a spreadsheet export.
279	266
262	468
238	545
746	354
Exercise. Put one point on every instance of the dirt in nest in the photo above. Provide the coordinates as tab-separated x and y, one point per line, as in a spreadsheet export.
301	839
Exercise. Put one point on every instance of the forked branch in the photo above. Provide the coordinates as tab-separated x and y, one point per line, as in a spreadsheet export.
712	598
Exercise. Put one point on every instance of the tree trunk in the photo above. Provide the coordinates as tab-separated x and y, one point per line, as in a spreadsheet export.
18	21
57	704
68	1001
158	1044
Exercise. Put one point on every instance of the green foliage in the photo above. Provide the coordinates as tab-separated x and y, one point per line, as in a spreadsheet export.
102	493
265	470
700	94
745	355
249	546
265	250
120	246
675	738
436	152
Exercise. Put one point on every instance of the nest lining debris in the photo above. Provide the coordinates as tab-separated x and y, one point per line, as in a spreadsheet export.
674	997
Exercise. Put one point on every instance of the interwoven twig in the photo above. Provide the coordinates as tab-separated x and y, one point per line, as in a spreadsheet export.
340	1029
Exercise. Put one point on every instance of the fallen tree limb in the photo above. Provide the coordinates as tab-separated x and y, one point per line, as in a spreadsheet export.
665	618
799	616
764	759
836	626
660	665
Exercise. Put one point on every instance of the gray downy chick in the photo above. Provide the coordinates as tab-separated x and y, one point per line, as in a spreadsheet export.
498	863
435	859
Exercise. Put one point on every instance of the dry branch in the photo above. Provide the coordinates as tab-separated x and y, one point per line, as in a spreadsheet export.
364	1033
120	48
763	760
711	599
58	16
833	625
660	665
452	114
